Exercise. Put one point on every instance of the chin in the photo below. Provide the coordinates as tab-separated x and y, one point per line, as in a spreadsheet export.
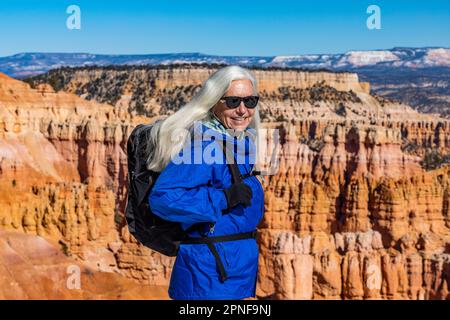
240	127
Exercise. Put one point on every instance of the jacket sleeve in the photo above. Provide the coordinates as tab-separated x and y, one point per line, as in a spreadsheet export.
184	193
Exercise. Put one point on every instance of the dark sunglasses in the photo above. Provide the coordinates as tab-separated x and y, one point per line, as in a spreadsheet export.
234	102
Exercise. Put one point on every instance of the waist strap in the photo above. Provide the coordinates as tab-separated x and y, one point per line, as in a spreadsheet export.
210	242
228	237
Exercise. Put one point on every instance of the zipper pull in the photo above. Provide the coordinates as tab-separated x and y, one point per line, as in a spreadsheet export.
261	175
211	227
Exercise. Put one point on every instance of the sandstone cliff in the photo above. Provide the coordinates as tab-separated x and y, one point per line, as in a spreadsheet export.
34	268
161	90
351	214
357	219
286	94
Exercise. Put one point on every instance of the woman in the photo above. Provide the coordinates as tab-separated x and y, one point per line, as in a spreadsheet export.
204	194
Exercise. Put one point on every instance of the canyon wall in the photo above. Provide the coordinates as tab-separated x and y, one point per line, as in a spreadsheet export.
159	90
351	213
357	219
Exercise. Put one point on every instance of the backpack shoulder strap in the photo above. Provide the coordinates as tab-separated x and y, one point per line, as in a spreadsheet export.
231	161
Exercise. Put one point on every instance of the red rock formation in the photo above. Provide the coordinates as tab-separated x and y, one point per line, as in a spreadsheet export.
33	268
62	162
364	207
349	215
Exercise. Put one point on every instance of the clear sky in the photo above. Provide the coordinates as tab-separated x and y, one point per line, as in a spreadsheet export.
231	27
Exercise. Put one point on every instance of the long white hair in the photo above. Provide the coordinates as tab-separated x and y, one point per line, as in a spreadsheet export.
162	135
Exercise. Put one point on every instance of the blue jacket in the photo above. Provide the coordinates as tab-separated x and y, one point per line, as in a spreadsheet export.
191	193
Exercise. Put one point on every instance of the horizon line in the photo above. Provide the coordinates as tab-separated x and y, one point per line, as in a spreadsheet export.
216	55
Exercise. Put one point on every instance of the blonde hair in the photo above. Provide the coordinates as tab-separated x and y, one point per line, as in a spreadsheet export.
162	135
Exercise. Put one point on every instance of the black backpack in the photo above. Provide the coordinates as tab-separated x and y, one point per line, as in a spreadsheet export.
149	229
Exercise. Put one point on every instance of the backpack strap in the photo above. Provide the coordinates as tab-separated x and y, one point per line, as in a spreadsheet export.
231	161
209	241
235	173
232	165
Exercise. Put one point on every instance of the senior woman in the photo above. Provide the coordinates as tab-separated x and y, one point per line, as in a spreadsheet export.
204	193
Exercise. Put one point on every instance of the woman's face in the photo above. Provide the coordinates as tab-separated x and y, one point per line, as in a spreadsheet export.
238	118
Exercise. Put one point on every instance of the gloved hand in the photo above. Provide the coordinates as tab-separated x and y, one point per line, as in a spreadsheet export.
239	193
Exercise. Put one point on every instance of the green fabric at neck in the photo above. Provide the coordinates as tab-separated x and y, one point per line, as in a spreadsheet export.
214	123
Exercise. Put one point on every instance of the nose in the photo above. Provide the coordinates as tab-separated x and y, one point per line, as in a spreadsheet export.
242	109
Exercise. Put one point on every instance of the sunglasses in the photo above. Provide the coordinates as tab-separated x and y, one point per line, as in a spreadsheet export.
234	102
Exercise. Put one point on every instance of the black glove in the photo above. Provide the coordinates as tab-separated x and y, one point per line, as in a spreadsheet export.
238	193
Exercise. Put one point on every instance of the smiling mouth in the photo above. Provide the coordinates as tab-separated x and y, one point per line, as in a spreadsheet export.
239	118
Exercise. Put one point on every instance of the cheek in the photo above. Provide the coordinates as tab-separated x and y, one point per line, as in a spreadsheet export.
221	111
228	113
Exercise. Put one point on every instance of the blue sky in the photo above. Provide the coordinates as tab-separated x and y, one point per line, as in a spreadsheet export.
281	27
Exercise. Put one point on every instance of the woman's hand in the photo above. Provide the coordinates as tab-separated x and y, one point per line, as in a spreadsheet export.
239	193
